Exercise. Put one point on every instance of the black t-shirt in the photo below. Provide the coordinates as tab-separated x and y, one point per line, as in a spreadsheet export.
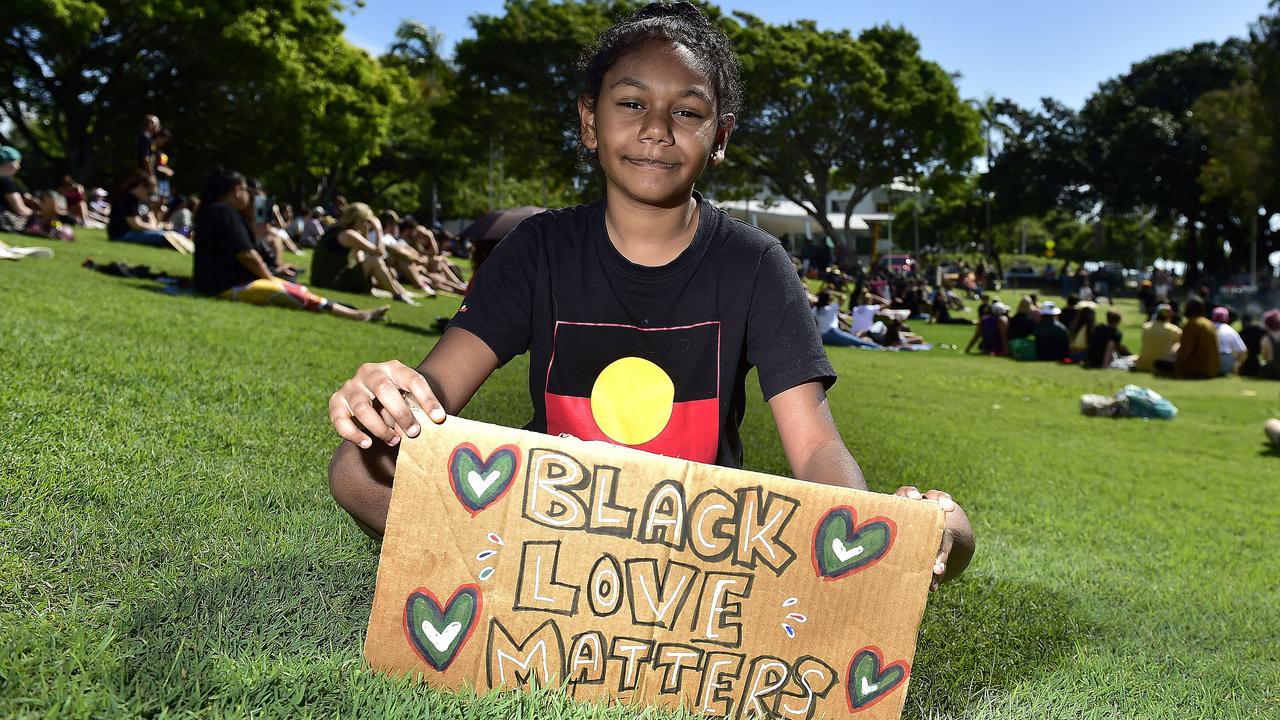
1052	340
9	186
221	233
127	205
651	357
145	151
1021	325
1102	334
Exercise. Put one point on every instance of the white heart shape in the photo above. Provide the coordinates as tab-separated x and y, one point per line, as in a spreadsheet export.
843	553
441	640
481	484
868	688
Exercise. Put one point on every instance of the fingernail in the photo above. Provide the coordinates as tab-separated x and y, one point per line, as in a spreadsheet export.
437	415
914	495
395	440
414	430
947	504
939	568
365	443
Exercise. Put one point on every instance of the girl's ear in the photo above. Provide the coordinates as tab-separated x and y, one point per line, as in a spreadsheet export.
725	129
587	121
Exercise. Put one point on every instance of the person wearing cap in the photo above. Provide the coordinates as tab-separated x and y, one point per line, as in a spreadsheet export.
1160	339
15	211
1231	347
992	333
1052	341
1197	355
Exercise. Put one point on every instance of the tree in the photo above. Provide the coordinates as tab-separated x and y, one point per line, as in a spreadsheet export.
825	111
1144	153
269	88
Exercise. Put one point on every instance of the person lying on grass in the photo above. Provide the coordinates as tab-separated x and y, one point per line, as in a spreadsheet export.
227	263
651	270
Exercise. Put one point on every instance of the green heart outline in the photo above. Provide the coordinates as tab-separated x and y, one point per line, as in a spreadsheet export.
825	563
467	599
868	664
465	459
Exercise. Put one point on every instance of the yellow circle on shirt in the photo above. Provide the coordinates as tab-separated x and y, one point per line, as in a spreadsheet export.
631	400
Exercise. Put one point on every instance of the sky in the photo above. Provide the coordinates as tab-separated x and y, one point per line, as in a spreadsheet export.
1021	50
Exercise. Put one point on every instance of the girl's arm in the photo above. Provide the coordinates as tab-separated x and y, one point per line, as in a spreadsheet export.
135	223
16	205
817	453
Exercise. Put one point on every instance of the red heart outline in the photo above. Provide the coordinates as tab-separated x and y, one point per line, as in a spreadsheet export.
848	675
484	462
444	609
853	517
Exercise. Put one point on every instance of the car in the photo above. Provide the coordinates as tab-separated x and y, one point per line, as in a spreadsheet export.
896	263
1022	275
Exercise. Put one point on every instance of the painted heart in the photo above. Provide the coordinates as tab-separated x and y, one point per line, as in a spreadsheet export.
437	632
480	483
842	547
869	680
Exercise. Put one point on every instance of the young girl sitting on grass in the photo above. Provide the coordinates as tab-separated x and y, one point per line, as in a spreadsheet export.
650	286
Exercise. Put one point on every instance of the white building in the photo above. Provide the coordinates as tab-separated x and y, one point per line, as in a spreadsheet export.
871	227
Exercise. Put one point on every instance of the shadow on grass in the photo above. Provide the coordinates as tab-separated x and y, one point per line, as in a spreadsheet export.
982	638
232	637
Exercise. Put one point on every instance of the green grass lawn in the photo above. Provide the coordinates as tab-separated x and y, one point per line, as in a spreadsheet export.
168	546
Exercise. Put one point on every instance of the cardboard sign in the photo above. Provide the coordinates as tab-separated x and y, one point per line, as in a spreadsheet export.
513	557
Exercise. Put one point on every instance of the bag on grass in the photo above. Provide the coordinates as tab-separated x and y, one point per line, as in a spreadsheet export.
1147	403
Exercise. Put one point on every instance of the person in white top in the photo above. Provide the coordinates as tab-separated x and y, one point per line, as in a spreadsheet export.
1230	346
827	315
864	314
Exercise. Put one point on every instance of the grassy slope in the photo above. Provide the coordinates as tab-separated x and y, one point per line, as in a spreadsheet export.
168	545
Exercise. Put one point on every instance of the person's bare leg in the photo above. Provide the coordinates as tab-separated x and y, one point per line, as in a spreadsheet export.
373	315
360	481
381	275
406	267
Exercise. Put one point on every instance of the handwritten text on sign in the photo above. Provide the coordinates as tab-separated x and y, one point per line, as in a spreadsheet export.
513	557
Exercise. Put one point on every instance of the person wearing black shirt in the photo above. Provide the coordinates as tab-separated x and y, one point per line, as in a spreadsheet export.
1052	340
144	147
227	263
1106	342
14	211
1251	333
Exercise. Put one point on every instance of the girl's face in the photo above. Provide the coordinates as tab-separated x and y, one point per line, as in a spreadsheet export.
654	125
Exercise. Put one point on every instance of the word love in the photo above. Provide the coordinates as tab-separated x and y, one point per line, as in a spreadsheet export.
744	528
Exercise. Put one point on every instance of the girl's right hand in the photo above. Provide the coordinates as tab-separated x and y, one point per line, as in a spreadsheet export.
373	403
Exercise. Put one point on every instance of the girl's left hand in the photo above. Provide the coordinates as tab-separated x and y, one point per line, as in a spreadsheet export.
948	535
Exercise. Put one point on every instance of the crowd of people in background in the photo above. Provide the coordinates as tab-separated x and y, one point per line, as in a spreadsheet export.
1200	341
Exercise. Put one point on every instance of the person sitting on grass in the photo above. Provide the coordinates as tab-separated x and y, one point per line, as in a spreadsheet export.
1251	334
17	210
1106	342
1053	342
346	259
131	219
227	264
409	265
992	333
442	273
827	315
1082	330
1197	357
1270	349
1231	348
1022	323
658	108
1160	338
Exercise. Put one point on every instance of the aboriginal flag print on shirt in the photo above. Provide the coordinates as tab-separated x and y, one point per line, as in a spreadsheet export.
654	389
